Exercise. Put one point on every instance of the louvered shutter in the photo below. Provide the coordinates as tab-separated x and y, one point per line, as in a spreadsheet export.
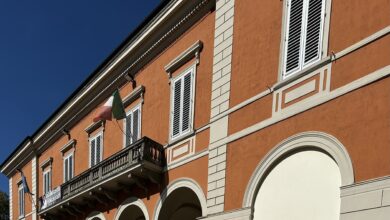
128	130
176	108
98	149
66	169
70	166
313	30
135	129
294	40
92	152
186	102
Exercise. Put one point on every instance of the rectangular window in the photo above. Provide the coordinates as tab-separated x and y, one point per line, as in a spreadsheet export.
68	167
21	200
46	181
305	21
182	104
96	149
133	125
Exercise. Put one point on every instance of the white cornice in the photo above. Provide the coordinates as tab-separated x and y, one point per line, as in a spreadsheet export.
140	39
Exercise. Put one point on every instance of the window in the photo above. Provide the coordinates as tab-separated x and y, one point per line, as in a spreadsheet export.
133	125
47	181
21	200
96	149
305	22
182	104
68	167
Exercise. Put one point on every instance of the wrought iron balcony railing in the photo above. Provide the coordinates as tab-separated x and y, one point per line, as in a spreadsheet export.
144	152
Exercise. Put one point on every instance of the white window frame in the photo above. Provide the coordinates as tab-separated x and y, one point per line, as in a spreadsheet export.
73	165
21	201
131	111
192	70
324	37
94	137
49	174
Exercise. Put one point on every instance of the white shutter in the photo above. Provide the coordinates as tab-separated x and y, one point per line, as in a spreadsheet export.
70	167
128	130
304	35
135	134
313	30
294	35
176	108
66	169
98	149
186	102
92	152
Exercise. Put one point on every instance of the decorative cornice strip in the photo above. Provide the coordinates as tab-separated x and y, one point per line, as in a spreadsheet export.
46	163
92	127
134	95
71	143
184	57
6	170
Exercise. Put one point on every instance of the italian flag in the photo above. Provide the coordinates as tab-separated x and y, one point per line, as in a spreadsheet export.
112	108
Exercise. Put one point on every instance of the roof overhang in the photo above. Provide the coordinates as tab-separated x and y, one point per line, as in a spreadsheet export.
162	28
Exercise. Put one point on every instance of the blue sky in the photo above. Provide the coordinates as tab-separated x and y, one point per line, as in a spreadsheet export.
47	50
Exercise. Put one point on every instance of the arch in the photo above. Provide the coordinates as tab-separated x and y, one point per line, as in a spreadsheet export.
95	215
181	183
132	201
312	139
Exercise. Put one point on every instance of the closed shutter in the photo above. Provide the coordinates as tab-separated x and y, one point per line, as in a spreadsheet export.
128	130
93	152
66	172
70	167
294	40
176	108
135	134
98	149
186	102
313	30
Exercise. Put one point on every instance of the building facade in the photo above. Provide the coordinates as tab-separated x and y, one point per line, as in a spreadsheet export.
234	110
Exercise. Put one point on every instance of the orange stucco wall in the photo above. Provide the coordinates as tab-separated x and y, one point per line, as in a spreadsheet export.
358	119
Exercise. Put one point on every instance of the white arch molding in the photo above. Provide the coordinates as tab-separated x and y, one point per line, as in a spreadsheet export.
181	183
95	214
132	201
312	139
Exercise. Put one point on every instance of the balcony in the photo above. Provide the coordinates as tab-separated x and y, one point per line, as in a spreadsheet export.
142	161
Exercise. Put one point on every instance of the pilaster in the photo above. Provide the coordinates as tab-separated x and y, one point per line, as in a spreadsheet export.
223	40
34	189
10	197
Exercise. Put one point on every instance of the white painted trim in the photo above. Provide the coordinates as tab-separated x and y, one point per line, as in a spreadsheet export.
365	186
385	31
237	214
301	141
181	183
179	163
192	51
95	214
132	201
139	40
294	110
301	91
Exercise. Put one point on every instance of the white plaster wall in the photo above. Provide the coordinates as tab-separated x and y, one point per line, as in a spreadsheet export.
304	186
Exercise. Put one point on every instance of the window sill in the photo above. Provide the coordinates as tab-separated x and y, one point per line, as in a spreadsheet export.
302	73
